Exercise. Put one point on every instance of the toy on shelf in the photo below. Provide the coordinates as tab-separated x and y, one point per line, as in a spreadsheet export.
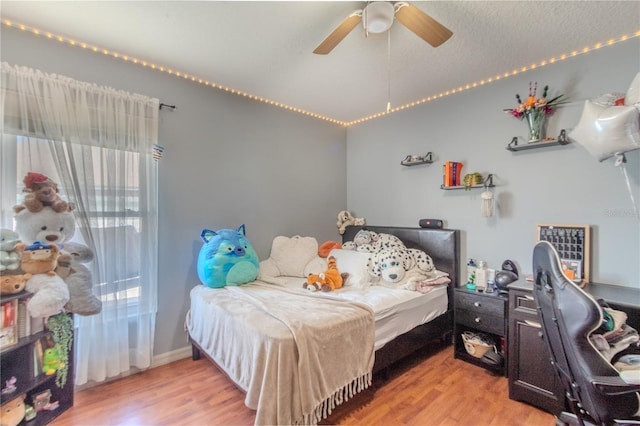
13	284
51	361
345	218
50	293
12	412
10	386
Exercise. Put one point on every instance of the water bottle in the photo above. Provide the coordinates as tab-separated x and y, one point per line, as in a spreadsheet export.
471	271
481	276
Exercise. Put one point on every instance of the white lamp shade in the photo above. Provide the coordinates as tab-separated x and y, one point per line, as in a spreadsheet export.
378	17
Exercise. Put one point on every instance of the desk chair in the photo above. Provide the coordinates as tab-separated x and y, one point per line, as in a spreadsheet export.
594	390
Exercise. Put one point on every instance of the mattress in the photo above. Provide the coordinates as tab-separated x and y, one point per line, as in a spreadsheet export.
279	345
395	311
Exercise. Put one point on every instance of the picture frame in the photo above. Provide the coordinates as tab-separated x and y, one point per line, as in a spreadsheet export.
573	244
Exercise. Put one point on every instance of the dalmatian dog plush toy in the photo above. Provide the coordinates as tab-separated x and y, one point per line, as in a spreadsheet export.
391	264
370	242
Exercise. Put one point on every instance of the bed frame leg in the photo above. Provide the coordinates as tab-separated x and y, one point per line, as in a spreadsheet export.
195	352
447	337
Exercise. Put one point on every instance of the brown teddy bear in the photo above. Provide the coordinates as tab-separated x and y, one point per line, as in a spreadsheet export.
50	292
329	280
12	284
41	192
39	258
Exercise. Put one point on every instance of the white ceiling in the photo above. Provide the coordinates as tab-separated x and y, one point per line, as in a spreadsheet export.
264	48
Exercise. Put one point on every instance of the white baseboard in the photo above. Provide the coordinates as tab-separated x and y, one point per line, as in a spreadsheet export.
171	356
157	361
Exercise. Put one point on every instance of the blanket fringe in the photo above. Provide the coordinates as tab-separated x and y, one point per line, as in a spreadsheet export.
325	408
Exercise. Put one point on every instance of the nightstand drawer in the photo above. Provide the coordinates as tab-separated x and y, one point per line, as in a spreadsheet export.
523	301
481	321
481	304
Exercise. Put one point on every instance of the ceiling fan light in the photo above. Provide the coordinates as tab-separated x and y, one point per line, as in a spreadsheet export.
378	17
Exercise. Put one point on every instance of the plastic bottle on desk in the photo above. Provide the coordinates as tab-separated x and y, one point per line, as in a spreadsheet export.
481	276
471	274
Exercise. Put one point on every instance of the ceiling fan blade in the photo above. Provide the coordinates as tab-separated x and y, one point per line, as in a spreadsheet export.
422	24
339	33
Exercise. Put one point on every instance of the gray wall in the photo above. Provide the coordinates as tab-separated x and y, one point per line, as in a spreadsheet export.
227	161
550	185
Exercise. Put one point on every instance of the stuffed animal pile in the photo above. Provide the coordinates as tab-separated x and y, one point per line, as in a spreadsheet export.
52	263
227	258
345	218
391	261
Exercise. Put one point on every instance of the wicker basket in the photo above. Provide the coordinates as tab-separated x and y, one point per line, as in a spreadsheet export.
476	344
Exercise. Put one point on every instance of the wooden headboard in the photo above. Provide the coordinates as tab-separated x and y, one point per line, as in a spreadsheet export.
441	244
444	248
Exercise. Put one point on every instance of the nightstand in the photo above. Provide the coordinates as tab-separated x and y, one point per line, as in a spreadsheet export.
485	313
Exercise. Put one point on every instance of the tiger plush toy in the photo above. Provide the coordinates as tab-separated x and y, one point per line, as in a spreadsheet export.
329	280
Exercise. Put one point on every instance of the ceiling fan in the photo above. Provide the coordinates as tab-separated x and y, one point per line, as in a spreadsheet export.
377	17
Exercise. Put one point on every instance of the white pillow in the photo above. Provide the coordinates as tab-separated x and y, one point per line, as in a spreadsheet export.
291	255
316	266
355	264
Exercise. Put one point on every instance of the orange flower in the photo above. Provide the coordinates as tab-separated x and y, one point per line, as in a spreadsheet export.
531	101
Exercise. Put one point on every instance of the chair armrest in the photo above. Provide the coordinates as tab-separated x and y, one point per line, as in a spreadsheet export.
613	385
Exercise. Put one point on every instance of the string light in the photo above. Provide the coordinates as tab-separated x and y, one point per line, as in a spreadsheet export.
459	89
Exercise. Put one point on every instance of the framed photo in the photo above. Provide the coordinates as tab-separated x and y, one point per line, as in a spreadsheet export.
572	269
573	244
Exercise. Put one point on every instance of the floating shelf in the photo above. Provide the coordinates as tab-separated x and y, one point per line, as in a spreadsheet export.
488	183
425	160
561	140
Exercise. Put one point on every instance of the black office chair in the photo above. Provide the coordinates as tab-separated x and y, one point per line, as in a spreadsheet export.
595	393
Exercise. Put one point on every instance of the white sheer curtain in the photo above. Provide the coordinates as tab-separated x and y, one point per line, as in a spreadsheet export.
96	142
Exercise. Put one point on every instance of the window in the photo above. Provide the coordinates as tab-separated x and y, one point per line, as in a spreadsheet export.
113	208
99	140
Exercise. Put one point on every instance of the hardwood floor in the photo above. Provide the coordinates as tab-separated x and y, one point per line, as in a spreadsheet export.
436	390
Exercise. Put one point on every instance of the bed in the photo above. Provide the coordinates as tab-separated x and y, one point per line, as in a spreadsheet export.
297	355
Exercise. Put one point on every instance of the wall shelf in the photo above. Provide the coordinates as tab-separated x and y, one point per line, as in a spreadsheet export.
561	140
488	183
426	159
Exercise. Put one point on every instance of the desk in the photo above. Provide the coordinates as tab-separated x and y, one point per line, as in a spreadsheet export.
625	299
531	377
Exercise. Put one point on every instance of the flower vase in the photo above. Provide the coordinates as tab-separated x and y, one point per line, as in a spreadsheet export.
535	121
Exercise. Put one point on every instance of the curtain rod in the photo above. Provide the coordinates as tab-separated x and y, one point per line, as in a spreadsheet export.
171	107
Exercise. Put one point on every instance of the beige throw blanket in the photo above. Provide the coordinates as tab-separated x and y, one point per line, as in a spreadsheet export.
296	354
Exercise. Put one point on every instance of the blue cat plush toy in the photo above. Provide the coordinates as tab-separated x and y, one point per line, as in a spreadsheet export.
226	258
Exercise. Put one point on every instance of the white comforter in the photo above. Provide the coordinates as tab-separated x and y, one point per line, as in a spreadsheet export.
296	354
